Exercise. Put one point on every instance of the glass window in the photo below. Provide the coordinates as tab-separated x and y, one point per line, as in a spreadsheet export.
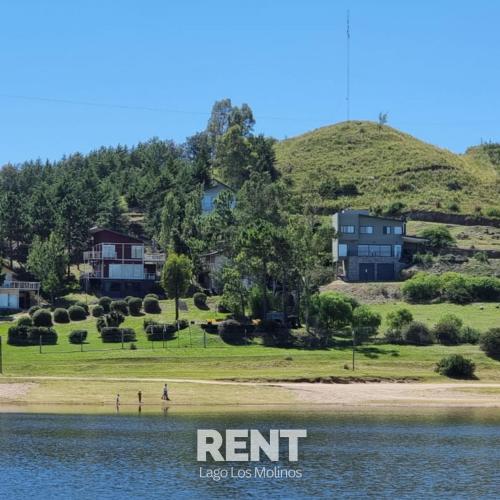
374	250
366	229
393	230
342	250
207	203
397	250
137	251
347	229
398	230
109	251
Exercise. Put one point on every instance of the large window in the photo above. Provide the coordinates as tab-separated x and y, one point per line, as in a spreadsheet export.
126	271
347	229
397	250
366	229
207	203
342	250
108	252
374	250
393	230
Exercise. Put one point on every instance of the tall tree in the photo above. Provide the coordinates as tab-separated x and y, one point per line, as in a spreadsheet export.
175	277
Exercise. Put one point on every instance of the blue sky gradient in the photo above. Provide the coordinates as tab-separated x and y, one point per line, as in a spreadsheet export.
78	75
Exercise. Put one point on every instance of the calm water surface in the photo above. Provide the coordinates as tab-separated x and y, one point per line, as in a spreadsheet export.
442	454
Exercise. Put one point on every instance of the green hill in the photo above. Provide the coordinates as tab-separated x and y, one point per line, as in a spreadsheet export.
386	166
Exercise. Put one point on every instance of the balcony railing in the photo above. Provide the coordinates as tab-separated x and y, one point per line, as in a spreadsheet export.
154	257
99	275
21	285
149	257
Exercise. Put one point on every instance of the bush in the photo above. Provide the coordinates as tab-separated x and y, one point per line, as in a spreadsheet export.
485	288
158	331
33	309
448	330
422	287
232	332
394	337
416	333
456	366
78	336
113	319
200	300
151	305
18	336
439	237
128	298
77	313
490	342
469	335
493	212
119	306
399	318
24	321
365	323
61	315
152	296
135	306
42	317
83	305
112	334
48	336
105	303
97	311
259	302
455	288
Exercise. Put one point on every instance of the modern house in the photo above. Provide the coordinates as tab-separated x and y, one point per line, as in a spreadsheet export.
119	265
370	248
210	193
15	294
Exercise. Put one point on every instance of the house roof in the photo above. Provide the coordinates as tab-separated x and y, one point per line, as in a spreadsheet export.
216	182
97	229
415	239
366	213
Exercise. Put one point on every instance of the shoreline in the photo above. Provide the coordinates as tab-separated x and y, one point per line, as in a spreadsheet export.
60	394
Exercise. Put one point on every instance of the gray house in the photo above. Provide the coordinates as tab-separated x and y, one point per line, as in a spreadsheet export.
368	247
210	194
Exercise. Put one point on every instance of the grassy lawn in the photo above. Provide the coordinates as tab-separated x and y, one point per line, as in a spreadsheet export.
186	357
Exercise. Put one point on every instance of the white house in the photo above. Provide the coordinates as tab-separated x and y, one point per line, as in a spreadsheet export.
16	294
210	194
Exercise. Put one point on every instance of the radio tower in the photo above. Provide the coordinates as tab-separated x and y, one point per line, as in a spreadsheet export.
348	67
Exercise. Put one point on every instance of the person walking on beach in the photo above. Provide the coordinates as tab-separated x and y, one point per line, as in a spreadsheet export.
139	396
165	393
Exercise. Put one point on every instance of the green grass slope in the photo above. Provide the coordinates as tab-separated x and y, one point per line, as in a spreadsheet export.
388	165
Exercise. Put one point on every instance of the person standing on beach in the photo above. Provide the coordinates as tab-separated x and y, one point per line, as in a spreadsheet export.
139	396
165	393
117	401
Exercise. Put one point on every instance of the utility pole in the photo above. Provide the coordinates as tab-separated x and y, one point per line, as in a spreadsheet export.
353	347
1	356
348	67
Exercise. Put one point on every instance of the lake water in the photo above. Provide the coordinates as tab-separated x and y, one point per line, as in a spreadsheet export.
437	454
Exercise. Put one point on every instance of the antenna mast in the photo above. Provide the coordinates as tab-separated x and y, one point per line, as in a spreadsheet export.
348	67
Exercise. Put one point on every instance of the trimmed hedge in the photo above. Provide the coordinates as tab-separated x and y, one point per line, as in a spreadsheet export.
77	313
151	305
105	303
33	309
97	311
200	300
233	332
25	321
61	315
83	305
163	331
77	336
135	306
31	335
42	317
119	306
112	334
456	366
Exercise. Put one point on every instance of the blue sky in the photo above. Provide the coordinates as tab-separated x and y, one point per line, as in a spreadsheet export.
154	68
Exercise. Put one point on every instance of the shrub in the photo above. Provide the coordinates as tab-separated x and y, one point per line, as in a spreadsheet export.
152	296
439	237
105	303
417	333
394	337
493	212
469	335
455	288
97	311
78	336
365	323
112	334
397	319
490	342
83	305
18	336
422	287
485	288
232	332
33	309
128	298
77	313
280	337
157	331
135	306
120	306
113	319
151	305
259	302
331	311
48	336
454	207
447	330
456	366
61	315
24	321
200	300
42	317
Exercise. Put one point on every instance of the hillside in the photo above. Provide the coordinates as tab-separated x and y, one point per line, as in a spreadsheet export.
387	165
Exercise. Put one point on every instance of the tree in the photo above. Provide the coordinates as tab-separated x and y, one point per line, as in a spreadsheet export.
12	223
333	311
111	213
47	261
439	237
235	293
365	323
175	277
